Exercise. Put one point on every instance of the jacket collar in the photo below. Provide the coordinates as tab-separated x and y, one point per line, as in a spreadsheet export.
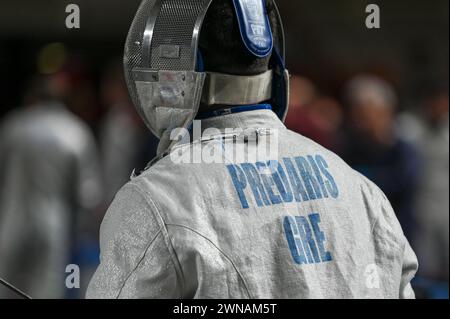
259	119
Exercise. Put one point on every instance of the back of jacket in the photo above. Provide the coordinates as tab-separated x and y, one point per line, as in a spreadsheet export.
297	223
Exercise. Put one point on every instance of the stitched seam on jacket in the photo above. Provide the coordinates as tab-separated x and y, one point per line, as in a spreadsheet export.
173	257
138	264
223	253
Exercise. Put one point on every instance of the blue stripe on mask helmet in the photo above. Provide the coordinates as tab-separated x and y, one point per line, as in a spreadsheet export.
254	26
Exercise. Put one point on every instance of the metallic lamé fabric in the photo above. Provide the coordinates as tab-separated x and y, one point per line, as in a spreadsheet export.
181	231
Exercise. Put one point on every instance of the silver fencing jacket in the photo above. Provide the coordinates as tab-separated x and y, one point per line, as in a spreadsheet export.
302	224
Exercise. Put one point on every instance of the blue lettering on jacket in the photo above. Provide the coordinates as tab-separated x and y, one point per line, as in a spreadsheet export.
312	186
305	239
297	185
256	185
271	183
294	240
281	181
240	183
330	184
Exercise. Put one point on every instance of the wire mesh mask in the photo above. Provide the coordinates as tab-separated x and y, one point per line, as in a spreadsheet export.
160	61
160	65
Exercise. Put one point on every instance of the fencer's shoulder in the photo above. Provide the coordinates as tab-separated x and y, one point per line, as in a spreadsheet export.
131	209
51	121
62	120
12	121
376	205
370	198
292	137
299	143
370	189
165	173
353	178
155	196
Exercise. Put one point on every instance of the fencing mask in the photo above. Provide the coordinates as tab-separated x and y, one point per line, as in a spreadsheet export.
164	68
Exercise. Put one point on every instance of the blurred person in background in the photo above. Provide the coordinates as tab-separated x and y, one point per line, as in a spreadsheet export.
126	143
49	186
429	131
302	93
319	118
374	148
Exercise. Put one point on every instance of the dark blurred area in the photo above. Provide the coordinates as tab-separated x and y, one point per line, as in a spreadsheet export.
70	137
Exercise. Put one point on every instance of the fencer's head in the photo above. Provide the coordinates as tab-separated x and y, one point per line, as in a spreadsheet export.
221	44
238	41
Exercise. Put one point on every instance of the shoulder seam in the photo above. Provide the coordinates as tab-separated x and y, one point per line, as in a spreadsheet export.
138	264
168	243
222	252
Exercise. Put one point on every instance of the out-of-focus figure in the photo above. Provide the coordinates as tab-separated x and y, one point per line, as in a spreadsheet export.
374	148
49	186
302	93
126	143
429	130
317	117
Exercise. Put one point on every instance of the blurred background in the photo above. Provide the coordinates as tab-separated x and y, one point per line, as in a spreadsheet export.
70	138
